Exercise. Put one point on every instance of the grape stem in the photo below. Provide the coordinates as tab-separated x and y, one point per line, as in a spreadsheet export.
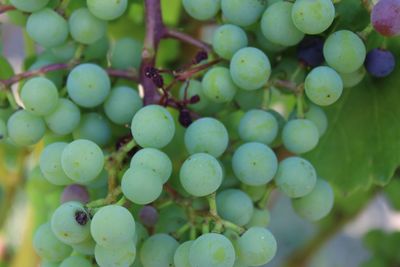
263	202
155	32
5	8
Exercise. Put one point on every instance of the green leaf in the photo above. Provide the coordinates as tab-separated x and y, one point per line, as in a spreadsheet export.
6	69
352	15
171	10
362	144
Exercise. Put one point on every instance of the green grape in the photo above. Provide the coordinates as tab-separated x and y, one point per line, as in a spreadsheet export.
29	5
141	234
235	206
231	121
107	10
70	223
64	52
277	25
266	45
49	264
158	251
242	12
249	99
212	250
217	85
260	218
50	164
250	68
55	76
201	175
317	204
317	115
85	28
228	39
300	136
122	104
3	130
86	247
153	126
65	118
181	256
344	51
97	50
25	129
112	225
154	160
120	256
206	135
88	85
296	177
254	164
354	78
75	261
254	192
93	127
323	86
257	246
126	53
40	96
141	185
258	126
47	28
313	16
194	88
82	160
202	10
171	219
47	245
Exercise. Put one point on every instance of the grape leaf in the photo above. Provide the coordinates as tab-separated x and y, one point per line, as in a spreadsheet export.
362	144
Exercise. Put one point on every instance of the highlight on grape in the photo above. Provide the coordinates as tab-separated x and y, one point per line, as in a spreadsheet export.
164	133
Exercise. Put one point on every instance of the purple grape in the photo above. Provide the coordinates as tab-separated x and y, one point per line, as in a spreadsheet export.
385	17
75	192
310	51
380	62
148	215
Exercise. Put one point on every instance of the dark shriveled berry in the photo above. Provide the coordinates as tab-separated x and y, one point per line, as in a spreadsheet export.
185	119
200	56
81	217
194	99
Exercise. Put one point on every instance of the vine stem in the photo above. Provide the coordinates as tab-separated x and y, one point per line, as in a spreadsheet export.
174	34
126	74
5	8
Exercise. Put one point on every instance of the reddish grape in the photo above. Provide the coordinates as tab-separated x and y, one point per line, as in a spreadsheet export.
385	17
75	192
148	215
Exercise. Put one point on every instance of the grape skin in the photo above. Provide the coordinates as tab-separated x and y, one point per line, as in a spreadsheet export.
296	177
29	5
318	117
250	68
158	251
50	164
257	246
120	256
88	85
40	96
141	185
47	28
380	62
323	86
201	174
202	10
234	205
112	225
107	10
153	126
228	39
217	85
254	164
194	88
148	215
126	53
181	256
385	17
242	12
354	78
93	127
85	27
260	218
206	135
65	118
47	245
75	261
25	129
212	250
277	25
66	227
317	204
344	51
313	17
300	136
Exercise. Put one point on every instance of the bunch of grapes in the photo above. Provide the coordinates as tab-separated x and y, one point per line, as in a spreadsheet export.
176	167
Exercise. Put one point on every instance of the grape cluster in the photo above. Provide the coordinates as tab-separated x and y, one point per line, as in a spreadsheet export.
184	181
